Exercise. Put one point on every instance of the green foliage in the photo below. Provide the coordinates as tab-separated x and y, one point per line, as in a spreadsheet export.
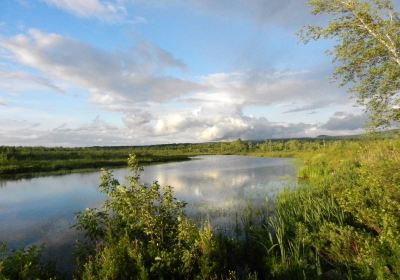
291	240
346	220
367	51
143	233
33	160
342	222
24	265
239	146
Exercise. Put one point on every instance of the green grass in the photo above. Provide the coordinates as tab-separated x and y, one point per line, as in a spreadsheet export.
342	222
31	161
33	168
345	220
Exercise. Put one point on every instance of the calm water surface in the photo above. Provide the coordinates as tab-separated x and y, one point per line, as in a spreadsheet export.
42	209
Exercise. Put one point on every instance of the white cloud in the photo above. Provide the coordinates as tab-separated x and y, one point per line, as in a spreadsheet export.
221	122
228	127
18	81
189	127
135	75
257	87
137	118
138	75
110	11
155	106
97	132
173	123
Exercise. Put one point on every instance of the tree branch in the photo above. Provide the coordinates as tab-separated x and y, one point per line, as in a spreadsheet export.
392	49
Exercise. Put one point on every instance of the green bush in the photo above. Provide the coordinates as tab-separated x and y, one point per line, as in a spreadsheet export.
342	222
24	264
143	233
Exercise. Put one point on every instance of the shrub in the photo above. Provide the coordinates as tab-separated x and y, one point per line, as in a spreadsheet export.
24	264
142	232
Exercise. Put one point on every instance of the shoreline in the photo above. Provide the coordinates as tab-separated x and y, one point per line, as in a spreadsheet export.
66	171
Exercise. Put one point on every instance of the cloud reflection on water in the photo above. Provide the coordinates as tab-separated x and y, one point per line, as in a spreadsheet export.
42	209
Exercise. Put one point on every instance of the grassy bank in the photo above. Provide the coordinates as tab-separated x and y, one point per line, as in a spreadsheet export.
345	221
32	161
342	222
26	162
66	168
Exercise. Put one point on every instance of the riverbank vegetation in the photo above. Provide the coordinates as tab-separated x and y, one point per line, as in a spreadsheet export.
16	162
342	222
32	161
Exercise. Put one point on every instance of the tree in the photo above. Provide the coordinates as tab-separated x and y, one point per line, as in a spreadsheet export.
367	52
239	146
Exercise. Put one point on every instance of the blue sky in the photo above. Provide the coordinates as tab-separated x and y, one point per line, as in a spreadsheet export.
127	72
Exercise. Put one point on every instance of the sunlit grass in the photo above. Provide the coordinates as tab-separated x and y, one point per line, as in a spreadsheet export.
342	221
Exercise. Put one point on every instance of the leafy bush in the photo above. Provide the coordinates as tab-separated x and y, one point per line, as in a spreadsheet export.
143	233
24	264
342	222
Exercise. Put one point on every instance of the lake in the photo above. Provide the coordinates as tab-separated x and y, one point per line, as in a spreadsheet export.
42	210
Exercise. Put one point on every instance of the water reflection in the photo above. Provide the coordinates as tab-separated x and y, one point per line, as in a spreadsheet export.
42	209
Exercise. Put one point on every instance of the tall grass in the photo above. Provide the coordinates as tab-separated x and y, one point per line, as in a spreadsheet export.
342	222
345	221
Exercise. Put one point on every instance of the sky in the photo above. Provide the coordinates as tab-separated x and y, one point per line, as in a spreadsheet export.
140	72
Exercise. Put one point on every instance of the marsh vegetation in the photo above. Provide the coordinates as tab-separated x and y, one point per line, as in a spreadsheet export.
341	223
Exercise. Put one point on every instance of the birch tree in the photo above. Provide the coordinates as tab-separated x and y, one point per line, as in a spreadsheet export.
366	53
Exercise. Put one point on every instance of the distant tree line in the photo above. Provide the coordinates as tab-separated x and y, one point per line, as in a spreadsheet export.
30	160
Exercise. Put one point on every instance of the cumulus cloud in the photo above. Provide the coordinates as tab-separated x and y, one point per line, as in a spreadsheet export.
254	129
155	106
191	126
99	132
110	11
220	121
